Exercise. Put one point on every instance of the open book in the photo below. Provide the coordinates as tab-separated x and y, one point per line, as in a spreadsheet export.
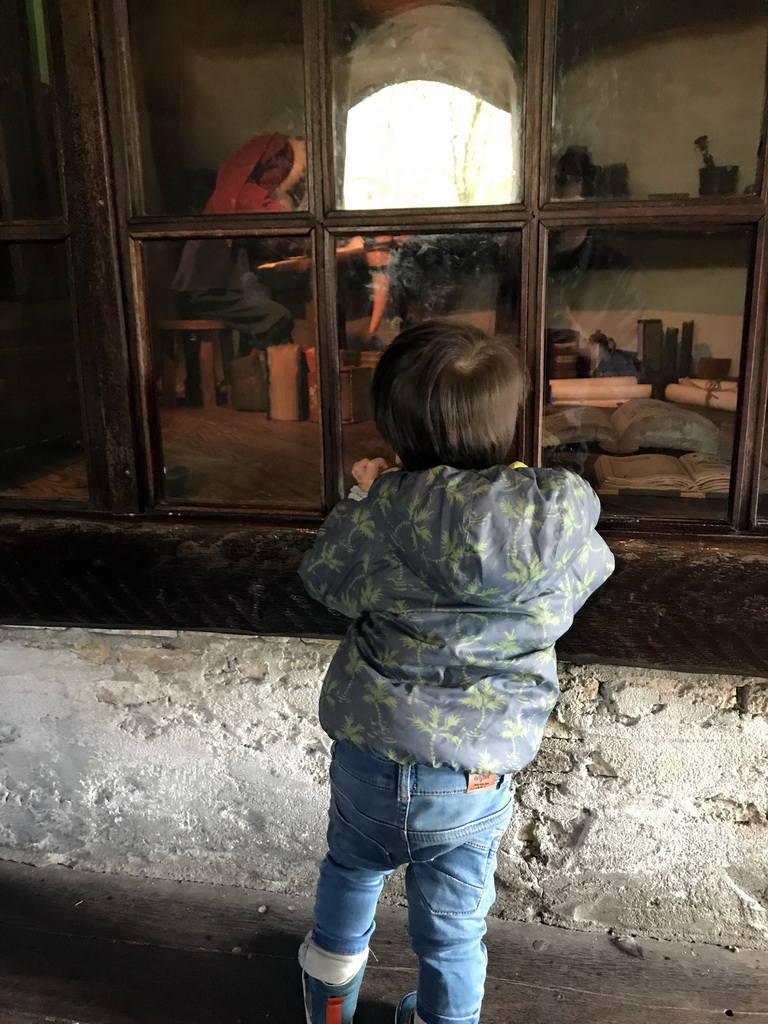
689	476
639	423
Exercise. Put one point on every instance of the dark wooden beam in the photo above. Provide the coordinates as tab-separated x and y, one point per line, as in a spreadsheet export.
675	603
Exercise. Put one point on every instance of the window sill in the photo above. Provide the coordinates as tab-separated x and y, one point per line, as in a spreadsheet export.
680	603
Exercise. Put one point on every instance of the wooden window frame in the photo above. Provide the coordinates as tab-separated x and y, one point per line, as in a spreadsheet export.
686	594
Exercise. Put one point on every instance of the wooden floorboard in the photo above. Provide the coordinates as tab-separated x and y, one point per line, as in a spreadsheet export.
99	949
232	457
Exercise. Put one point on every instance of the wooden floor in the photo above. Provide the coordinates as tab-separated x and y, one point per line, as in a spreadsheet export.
244	457
232	458
98	949
58	477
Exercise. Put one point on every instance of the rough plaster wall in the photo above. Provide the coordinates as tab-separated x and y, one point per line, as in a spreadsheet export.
198	756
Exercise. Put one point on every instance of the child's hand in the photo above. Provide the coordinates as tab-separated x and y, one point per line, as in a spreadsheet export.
366	470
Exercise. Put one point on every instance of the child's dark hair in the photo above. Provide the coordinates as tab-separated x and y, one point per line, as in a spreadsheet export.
447	393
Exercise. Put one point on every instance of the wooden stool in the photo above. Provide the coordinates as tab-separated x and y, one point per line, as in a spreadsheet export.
207	346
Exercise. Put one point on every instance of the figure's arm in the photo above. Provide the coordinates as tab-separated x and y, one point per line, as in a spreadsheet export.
354	247
378	256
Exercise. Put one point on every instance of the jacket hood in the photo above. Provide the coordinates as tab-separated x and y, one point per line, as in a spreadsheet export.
471	536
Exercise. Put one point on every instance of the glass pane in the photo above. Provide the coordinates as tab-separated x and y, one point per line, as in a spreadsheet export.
219	88
658	99
428	100
389	283
29	181
233	335
644	333
762	502
41	432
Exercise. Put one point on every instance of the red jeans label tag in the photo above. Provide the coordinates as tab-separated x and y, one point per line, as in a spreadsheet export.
477	782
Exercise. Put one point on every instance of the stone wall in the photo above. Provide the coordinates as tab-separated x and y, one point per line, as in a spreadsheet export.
198	756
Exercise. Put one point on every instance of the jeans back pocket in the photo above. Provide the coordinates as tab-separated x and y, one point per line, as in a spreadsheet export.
458	882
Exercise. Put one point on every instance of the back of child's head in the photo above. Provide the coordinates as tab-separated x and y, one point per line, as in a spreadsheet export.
446	393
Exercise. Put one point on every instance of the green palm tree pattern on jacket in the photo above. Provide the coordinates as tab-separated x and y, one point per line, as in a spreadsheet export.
458	584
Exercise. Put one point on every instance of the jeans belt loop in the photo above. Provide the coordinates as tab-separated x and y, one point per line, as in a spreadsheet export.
404	774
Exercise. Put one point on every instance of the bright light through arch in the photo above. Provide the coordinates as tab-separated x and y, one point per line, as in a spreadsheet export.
427	144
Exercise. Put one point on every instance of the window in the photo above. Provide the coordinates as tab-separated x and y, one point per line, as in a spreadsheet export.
41	423
427	103
469	153
214	218
643	344
42	446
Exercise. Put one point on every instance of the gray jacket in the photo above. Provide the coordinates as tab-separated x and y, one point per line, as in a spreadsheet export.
458	584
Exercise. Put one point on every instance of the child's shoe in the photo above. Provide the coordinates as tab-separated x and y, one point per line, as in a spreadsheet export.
331	983
331	1004
406	1009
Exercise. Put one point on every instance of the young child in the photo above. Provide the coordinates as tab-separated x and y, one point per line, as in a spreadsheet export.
459	573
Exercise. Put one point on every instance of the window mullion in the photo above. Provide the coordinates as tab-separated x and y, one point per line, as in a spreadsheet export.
537	139
537	119
326	298
531	334
34	230
319	114
95	268
318	103
754	388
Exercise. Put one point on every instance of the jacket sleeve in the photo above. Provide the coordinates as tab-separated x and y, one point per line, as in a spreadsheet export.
334	571
586	558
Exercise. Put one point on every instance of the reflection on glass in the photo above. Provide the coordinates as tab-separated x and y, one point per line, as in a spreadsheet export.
41	432
658	99
218	90
643	346
388	283
428	100
232	323
762	498
29	182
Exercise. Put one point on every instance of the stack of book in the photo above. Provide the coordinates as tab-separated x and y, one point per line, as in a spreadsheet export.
666	354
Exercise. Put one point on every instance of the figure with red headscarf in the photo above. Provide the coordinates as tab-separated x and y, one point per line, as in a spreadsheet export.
215	277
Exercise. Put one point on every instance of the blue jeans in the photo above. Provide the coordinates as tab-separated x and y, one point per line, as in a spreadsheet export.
384	814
